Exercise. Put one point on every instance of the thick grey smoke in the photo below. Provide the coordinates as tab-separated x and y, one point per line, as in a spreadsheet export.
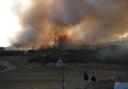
26	37
82	21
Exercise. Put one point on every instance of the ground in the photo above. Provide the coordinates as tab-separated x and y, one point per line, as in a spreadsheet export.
33	76
2	67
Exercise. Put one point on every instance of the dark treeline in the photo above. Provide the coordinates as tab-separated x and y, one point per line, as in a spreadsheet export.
68	55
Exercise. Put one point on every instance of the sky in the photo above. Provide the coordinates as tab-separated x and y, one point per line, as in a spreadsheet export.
9	21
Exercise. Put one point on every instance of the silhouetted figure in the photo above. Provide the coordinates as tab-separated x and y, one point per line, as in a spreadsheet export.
85	76
93	78
44	61
93	81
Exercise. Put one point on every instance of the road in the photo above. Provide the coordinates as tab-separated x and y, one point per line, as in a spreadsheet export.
9	66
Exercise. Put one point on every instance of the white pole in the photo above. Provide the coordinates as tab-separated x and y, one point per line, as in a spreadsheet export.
63	77
90	83
61	69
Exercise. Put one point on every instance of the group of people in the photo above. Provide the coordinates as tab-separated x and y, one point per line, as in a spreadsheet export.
86	76
89	79
47	59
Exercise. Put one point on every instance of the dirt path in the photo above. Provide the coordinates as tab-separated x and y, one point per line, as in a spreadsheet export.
8	65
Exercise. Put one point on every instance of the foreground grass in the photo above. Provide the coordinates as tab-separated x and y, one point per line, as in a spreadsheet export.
33	76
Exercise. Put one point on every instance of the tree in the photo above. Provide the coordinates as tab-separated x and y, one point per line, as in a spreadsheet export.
1	54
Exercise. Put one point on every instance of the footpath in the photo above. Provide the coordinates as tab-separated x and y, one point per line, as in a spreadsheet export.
9	66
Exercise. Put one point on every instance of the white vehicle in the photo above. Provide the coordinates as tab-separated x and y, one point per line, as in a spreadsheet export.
119	85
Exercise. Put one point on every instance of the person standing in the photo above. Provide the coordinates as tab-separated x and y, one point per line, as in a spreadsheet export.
44	60
93	78
86	79
85	74
93	81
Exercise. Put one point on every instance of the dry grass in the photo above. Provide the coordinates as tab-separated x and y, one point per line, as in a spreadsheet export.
33	76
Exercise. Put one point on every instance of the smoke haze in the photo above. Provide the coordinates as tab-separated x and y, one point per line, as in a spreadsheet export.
79	21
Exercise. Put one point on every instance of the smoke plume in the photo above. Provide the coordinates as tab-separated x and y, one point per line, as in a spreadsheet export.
78	21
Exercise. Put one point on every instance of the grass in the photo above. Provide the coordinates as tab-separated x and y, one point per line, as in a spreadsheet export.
33	76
